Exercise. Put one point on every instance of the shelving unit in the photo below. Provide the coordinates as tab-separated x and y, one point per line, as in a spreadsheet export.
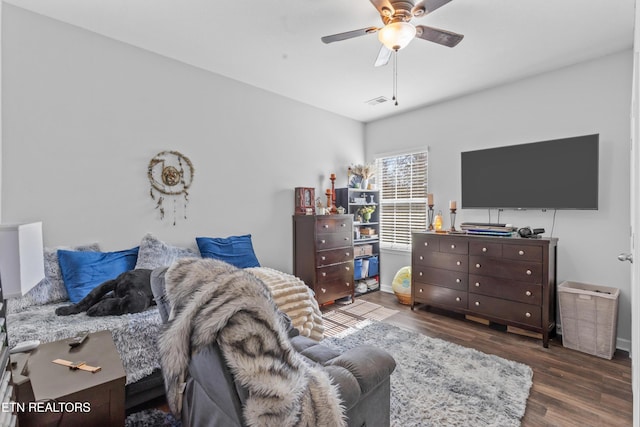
366	236
6	389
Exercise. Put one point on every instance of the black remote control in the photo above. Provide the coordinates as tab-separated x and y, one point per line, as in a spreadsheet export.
78	339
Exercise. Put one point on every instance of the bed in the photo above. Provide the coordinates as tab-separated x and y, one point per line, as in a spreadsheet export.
135	335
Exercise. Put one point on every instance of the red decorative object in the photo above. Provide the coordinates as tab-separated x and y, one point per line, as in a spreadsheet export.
305	199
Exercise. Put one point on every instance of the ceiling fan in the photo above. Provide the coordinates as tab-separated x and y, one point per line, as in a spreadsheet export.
398	31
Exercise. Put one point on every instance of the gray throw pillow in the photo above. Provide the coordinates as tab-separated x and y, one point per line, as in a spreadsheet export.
50	289
155	253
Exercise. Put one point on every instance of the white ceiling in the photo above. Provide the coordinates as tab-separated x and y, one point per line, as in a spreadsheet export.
275	44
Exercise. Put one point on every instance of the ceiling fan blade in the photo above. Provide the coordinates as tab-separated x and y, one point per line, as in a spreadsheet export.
443	37
425	7
349	35
384	7
383	56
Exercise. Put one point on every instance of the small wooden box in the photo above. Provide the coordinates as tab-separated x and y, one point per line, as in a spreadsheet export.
362	250
367	231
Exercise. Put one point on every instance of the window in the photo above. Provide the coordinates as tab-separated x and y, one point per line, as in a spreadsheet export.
403	198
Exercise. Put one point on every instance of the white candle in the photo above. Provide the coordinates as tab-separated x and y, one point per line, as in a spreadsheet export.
452	204
429	198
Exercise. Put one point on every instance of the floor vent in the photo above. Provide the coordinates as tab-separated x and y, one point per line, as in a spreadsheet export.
378	100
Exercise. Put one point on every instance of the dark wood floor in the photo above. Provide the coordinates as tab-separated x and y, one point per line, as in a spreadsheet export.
570	388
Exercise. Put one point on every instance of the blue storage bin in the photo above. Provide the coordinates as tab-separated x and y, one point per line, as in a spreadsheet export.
373	266
357	269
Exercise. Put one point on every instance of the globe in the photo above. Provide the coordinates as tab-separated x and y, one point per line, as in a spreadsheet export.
401	285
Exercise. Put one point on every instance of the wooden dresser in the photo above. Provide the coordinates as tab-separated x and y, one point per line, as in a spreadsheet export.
505	280
323	254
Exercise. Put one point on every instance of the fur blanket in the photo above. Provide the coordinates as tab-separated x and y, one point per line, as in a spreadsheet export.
214	302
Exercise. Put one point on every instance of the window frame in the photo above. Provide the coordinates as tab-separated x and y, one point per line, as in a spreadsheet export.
403	241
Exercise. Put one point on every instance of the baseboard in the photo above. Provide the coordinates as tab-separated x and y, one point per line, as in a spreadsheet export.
621	343
386	288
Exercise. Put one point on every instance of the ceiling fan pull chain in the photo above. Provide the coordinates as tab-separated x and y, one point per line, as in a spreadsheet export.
395	76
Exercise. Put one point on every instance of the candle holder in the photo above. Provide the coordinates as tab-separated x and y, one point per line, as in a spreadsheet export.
328	194
430	218
453	219
334	210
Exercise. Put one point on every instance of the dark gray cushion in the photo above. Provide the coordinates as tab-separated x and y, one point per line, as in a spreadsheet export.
159	295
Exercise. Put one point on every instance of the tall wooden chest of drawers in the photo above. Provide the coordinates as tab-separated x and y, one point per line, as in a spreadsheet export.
323	254
505	280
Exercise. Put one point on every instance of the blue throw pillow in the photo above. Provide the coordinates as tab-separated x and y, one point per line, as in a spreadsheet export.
236	250
83	271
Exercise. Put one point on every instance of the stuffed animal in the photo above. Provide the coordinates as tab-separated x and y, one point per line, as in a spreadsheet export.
130	292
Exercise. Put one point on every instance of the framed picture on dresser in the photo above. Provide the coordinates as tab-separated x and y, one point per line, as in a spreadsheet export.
304	200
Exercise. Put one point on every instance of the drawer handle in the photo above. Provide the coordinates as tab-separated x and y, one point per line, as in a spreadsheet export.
348	284
346	238
324	258
528	272
458	263
458	299
477	284
421	257
347	254
324	274
528	314
520	252
458	280
347	268
323	241
343	225
426	243
453	246
484	249
477	303
478	266
528	293
326	226
420	274
324	291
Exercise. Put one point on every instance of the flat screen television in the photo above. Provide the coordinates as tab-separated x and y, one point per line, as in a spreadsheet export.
556	174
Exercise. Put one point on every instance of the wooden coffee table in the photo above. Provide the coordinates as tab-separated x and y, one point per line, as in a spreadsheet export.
65	397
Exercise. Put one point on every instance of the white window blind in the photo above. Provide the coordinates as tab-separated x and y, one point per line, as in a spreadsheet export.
403	198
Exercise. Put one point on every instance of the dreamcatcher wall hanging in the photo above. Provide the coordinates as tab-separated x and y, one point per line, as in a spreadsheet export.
170	174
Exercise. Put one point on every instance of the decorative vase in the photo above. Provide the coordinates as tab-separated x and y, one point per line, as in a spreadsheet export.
366	216
401	285
364	184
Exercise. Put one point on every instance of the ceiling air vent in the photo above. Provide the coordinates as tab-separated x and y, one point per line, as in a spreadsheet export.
378	100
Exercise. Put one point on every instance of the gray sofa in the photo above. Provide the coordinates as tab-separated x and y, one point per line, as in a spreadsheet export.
213	398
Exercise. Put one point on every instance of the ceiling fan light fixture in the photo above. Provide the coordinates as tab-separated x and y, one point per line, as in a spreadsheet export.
396	35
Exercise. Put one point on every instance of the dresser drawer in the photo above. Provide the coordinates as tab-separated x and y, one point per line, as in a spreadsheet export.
425	243
486	249
326	292
334	240
336	273
436	276
529	293
334	256
441	260
332	225
522	252
518	270
454	246
510	311
439	296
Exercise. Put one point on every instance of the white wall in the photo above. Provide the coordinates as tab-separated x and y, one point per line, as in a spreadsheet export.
592	97
84	114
